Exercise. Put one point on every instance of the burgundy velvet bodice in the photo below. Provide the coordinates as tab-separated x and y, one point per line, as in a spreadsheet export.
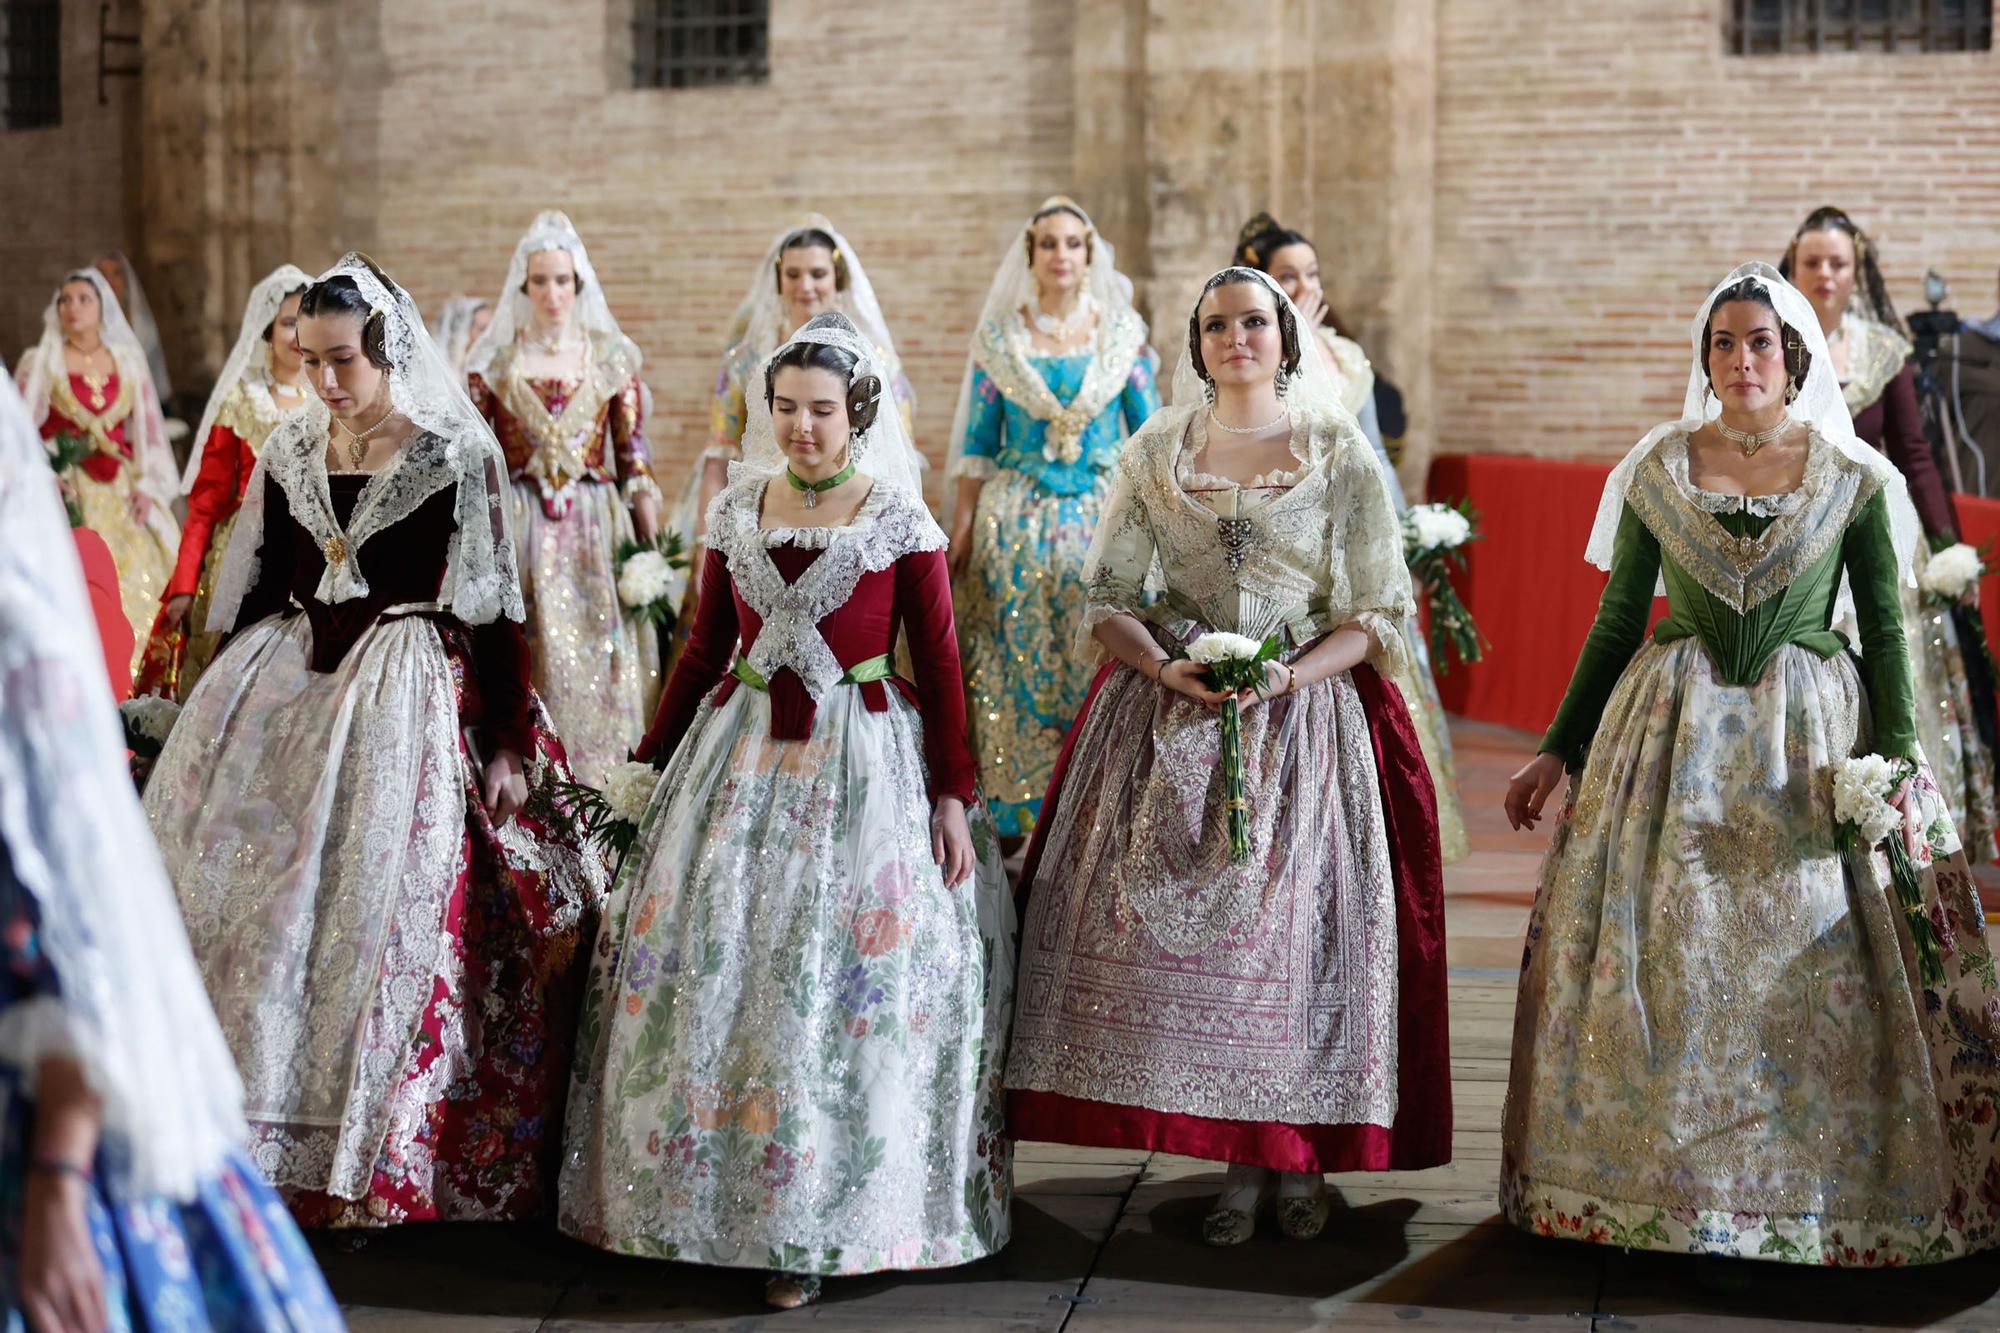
913	594
1894	424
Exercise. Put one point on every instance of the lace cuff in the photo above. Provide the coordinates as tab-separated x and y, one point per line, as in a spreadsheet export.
1389	650
728	453
976	466
638	484
1086	645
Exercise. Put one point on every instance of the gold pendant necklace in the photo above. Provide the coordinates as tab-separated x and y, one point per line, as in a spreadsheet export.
1751	441
357	445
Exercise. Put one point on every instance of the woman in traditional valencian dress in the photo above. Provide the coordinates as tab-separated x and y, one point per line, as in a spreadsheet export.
1834	264
1060	374
87	379
1284	1012
354	804
126	1201
806	270
261	384
560	384
1722	1044
790	1052
1291	259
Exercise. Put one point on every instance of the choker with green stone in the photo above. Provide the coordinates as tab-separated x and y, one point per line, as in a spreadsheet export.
813	488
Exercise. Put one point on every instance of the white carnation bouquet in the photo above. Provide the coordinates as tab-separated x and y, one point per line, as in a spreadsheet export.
1235	662
1868	791
647	576
1952	573
1434	541
611	816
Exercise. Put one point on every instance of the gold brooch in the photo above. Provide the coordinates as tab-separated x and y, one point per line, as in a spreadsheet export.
335	549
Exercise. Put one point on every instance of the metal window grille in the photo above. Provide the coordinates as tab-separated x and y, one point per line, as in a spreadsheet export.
1789	27
700	43
31	40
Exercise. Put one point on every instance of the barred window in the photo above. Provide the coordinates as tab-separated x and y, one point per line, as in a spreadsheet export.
700	43
1786	27
31	56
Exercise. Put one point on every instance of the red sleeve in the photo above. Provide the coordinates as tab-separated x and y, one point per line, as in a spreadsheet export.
482	398
114	632
923	598
710	645
500	655
218	488
1903	439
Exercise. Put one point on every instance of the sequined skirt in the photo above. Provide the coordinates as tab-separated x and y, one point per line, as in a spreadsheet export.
1959	755
1018	606
1720	1045
373	947
596	667
791	1043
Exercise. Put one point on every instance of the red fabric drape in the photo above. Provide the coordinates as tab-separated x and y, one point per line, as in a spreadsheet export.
114	632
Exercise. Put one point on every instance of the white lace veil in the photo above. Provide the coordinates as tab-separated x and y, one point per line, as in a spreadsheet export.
132	1011
883	452
481	582
760	321
1012	291
250	355
453	329
146	430
1819	406
512	311
139	314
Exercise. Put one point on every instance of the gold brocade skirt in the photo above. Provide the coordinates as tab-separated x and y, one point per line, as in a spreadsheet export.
143	552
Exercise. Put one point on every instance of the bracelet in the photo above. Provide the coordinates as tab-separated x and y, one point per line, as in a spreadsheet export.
59	1166
1291	677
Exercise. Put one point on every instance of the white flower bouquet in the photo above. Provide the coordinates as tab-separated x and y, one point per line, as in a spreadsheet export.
1434	541
1235	662
1868	817
610	817
646	576
1952	573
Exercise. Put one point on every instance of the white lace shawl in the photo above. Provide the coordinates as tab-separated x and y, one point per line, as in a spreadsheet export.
480	583
890	524
1325	553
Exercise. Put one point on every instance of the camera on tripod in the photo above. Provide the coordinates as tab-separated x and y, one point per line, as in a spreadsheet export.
1939	359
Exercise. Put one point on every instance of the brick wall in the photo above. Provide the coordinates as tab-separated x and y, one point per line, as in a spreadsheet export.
1600	165
65	198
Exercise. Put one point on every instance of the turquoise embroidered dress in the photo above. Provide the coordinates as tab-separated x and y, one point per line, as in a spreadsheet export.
1022	597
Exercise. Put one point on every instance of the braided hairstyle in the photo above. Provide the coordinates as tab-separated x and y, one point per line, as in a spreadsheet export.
1797	359
340	295
1873	291
1260	238
1291	350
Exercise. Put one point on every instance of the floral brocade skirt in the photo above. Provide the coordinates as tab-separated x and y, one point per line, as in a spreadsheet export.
790	1052
1018	605
1721	1045
396	976
597	668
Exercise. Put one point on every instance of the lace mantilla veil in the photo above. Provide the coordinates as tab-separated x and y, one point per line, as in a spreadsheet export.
1013	291
883	452
453	446
146	430
453	328
251	354
1819	406
513	312
131	1011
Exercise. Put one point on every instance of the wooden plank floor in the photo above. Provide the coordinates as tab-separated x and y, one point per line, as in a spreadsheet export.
1107	1240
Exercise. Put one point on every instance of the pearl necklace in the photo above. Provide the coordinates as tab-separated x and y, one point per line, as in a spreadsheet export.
549	346
1751	441
1064	330
1284	416
357	445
